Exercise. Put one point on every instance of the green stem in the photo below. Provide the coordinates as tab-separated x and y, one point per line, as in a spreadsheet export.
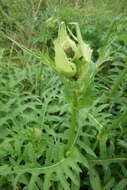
74	123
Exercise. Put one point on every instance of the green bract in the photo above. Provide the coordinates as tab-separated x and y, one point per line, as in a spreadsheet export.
64	62
83	49
64	40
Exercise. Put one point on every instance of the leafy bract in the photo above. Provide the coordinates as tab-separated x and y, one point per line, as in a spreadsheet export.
63	64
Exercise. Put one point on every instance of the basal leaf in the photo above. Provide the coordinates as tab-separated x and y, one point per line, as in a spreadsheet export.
47	180
110	184
121	185
62	179
87	148
122	144
94	179
71	174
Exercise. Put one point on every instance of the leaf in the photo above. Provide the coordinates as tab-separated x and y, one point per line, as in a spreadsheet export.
42	58
39	182
74	166
62	179
29	153
122	119
47	180
94	179
121	185
71	174
110	184
5	170
32	185
87	148
122	143
23	179
123	37
16	180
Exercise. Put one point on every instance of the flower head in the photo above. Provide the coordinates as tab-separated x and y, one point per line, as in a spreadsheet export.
65	63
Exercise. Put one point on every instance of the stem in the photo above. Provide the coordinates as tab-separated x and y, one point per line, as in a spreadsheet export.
74	122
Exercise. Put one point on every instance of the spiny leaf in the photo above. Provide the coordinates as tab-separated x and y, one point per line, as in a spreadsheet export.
42	58
62	179
121	185
74	166
16	180
32	185
71	174
94	179
110	184
122	144
87	148
47	180
4	170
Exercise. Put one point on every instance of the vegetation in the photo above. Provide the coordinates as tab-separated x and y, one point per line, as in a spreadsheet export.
63	124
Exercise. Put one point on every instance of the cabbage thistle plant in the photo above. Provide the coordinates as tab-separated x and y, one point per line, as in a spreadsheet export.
74	65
